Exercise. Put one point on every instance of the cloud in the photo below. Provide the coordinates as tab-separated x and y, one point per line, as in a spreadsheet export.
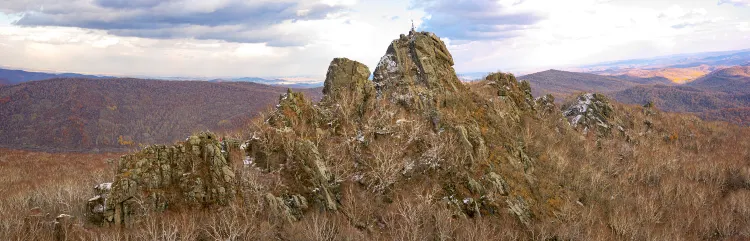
476	20
679	18
229	20
739	3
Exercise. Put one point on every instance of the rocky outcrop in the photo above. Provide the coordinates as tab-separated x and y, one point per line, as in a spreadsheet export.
289	209
416	68
97	205
375	135
347	79
545	105
590	111
509	88
194	173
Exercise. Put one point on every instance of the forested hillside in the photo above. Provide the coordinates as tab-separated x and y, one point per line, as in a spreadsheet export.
118	114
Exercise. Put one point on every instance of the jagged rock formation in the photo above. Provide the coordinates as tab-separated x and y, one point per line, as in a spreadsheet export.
415	155
347	79
415	69
590	111
194	173
414	124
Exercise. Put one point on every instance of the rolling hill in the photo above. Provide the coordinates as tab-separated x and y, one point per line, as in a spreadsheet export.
117	114
677	98
734	80
720	95
564	83
667	75
723	94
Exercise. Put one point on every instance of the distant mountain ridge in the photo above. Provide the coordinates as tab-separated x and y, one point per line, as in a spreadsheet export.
562	83
722	58
734	80
723	94
273	81
11	77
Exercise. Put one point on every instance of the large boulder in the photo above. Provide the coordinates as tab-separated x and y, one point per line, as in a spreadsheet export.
194	173
346	78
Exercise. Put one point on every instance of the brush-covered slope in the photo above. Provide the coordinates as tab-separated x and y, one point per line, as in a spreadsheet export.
116	114
720	95
677	98
564	83
417	155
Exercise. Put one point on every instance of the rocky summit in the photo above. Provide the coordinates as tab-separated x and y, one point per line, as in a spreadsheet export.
416	154
415	68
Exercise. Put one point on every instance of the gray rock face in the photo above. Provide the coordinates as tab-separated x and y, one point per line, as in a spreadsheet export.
590	111
496	184
308	156
290	208
347	79
98	204
414	69
195	173
520	208
545	105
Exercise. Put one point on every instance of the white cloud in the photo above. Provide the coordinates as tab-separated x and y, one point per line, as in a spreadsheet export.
744	26
567	33
735	2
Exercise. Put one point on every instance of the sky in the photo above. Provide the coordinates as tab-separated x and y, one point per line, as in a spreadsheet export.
272	38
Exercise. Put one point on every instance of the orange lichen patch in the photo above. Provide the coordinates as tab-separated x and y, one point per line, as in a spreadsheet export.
5	100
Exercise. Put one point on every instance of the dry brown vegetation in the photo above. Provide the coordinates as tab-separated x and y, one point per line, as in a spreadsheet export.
665	177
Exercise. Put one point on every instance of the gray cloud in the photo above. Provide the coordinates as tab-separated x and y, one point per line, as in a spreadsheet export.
249	21
474	20
125	4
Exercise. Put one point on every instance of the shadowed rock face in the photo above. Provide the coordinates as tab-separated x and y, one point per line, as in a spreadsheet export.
194	173
414	69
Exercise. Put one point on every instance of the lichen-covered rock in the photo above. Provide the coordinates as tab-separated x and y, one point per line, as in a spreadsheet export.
508	87
545	105
414	70
194	173
324	183
347	79
98	204
474	186
293	109
520	208
496	184
288	208
590	111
